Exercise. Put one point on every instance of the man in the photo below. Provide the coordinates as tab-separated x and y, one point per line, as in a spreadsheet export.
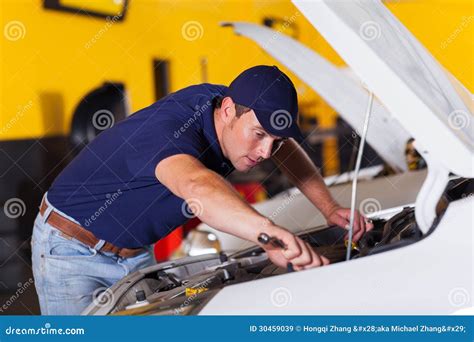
139	180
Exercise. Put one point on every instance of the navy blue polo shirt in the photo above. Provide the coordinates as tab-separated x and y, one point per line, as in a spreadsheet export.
111	189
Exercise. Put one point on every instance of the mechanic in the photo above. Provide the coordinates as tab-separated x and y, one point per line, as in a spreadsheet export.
140	179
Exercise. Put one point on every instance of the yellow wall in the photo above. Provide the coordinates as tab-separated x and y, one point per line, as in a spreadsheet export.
59	57
62	56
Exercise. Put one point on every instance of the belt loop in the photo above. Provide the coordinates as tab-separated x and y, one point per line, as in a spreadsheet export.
49	208
99	245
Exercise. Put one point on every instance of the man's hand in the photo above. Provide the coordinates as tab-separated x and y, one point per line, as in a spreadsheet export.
341	217
298	252
295	163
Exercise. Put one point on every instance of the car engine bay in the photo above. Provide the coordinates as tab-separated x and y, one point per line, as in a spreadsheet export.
183	286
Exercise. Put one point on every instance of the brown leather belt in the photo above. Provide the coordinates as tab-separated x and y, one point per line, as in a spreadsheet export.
70	230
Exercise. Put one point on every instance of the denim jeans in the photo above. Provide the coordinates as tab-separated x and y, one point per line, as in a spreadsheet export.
68	274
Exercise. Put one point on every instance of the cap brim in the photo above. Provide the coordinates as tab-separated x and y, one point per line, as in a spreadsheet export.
282	126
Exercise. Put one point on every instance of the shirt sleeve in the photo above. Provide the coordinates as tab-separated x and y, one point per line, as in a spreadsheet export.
150	145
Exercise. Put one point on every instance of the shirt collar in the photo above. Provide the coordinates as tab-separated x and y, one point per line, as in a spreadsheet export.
211	136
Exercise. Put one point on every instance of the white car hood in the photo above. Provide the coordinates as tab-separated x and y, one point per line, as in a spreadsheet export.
434	108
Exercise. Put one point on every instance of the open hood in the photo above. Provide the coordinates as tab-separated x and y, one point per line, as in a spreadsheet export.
336	86
433	107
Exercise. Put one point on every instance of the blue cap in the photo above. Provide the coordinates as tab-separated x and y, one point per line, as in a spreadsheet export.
272	96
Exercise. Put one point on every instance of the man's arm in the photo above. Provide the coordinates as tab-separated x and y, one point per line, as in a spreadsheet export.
293	161
221	207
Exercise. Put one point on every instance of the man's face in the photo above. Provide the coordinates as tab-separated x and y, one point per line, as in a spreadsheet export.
244	141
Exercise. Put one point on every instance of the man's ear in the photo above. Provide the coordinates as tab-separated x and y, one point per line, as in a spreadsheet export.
227	109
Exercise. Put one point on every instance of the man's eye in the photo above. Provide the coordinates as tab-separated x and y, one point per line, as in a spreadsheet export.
259	134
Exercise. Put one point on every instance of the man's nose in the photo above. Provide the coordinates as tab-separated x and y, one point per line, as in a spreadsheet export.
265	150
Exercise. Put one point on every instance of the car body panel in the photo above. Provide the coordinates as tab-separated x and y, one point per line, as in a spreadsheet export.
432	276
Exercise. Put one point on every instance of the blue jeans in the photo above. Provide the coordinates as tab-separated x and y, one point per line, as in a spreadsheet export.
68	274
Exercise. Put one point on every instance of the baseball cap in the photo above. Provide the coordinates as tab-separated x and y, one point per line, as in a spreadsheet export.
272	96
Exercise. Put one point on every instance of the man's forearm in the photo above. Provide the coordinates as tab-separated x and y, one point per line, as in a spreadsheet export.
293	161
224	209
215	200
